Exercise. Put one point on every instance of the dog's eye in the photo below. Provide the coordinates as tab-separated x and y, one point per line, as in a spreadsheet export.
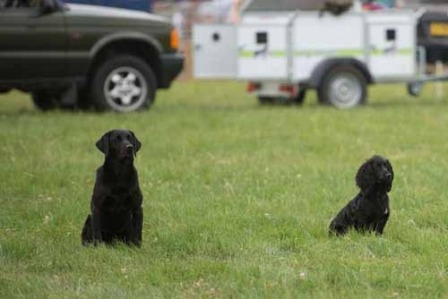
118	137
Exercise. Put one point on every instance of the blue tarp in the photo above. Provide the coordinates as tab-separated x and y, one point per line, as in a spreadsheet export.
143	5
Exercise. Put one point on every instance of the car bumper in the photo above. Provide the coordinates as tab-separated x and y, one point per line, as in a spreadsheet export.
436	53
436	46
172	65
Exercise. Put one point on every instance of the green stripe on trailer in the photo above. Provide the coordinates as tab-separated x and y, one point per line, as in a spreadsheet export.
350	52
246	54
400	52
249	54
342	52
277	53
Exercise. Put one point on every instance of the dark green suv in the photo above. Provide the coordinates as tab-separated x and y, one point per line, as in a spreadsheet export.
70	55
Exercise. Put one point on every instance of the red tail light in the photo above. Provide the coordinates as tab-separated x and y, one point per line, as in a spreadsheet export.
288	88
252	86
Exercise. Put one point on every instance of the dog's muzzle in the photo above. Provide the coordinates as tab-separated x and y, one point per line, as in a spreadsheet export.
130	150
386	178
127	152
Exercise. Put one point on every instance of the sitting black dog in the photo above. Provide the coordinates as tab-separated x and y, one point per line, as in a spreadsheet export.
116	212
369	210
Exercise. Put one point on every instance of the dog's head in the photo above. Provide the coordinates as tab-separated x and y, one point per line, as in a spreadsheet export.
377	171
119	144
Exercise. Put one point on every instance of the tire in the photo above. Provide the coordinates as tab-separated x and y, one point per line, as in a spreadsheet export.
4	90
343	87
299	98
123	83
83	102
415	88
263	100
45	100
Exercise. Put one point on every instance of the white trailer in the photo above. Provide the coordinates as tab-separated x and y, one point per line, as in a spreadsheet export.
281	54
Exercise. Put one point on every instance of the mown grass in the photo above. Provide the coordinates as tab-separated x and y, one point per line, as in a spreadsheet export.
237	198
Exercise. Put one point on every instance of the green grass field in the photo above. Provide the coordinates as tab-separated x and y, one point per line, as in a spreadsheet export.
237	198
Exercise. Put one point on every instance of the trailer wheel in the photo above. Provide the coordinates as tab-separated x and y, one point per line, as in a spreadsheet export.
271	100
299	98
415	88
343	87
263	100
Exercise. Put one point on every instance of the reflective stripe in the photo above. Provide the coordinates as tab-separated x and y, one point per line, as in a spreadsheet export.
278	53
251	54
395	52
344	52
246	54
353	52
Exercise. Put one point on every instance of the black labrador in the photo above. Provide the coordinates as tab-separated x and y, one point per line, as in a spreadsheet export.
369	210
116	211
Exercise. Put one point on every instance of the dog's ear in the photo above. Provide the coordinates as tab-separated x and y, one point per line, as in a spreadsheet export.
365	176
136	143
103	143
391	170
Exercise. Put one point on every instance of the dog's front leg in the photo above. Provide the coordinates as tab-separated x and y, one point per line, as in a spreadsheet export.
137	226
381	224
338	228
96	226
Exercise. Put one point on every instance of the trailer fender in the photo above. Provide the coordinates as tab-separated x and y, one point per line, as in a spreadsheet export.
325	66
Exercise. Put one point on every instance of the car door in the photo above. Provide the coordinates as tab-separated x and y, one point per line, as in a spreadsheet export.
32	43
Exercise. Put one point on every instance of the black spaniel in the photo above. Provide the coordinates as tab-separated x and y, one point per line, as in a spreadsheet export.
369	210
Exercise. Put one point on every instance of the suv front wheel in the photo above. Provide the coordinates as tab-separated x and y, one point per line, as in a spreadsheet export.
123	84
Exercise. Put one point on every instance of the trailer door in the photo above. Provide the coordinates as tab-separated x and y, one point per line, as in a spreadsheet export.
391	44
214	51
263	45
